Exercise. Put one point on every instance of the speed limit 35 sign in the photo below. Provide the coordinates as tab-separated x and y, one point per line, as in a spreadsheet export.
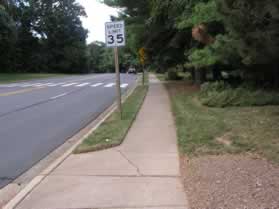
115	37
115	34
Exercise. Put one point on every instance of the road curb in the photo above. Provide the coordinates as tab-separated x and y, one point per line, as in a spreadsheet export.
81	135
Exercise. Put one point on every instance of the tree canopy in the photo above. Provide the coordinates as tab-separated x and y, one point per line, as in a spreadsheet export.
42	36
207	34
200	36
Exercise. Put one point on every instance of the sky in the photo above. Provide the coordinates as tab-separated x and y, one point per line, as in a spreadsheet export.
98	14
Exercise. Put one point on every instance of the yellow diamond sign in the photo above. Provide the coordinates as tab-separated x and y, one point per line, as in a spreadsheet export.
142	55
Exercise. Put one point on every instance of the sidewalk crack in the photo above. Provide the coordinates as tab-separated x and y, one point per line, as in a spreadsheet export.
130	162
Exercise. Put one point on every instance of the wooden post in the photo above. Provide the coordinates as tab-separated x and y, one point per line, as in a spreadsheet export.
118	88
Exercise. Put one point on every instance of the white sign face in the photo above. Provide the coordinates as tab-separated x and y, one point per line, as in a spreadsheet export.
115	34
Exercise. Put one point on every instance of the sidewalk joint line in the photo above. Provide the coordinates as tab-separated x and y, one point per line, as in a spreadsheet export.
136	207
142	206
120	176
130	162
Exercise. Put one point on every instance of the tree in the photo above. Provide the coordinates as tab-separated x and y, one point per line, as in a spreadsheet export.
254	25
50	36
7	39
95	52
63	35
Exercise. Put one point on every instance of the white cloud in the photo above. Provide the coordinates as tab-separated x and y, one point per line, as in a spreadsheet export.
98	14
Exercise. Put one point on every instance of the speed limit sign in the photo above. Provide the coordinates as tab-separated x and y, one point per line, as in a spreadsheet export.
115	34
115	37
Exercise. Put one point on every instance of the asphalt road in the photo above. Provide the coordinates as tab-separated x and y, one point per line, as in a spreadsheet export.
38	116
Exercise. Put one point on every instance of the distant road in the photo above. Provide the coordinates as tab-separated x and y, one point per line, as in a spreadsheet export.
38	116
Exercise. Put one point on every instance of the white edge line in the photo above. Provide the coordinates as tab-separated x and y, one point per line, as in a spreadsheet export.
69	84
125	85
97	84
57	84
83	84
110	85
58	96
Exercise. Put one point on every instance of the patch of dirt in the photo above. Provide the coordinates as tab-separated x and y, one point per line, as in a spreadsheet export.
225	140
230	182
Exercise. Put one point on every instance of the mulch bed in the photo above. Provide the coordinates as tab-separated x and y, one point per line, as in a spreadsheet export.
230	182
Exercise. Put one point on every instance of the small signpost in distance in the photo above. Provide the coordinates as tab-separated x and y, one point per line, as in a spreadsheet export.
115	37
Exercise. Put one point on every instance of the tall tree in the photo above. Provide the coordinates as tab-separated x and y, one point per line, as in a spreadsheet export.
64	37
7	39
254	25
95	53
50	36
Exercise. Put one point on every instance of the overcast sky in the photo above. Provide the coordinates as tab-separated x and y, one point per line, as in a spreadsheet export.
97	14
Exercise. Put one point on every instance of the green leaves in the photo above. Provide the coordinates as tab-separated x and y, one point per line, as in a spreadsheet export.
7	39
255	24
202	12
42	35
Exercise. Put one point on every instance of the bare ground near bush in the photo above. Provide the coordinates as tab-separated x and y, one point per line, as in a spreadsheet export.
231	182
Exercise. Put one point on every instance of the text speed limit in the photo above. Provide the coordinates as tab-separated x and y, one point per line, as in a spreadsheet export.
115	34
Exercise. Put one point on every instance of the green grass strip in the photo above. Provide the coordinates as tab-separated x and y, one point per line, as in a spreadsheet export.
113	131
15	77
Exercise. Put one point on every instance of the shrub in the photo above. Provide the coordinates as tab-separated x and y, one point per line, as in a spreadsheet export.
173	75
220	94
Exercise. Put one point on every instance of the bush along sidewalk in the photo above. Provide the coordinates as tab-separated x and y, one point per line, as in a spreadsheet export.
113	131
220	94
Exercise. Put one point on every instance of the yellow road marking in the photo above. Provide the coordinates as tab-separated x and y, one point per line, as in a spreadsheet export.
19	92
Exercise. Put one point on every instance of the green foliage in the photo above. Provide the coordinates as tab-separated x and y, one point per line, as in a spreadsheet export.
222	51
50	36
245	34
255	26
219	94
95	52
101	59
173	75
202	12
107	60
7	38
201	58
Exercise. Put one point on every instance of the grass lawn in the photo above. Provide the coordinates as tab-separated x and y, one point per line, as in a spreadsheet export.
15	77
202	130
113	131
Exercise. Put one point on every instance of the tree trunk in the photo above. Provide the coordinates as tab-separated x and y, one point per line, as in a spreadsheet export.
193	74
200	76
217	75
276	76
184	69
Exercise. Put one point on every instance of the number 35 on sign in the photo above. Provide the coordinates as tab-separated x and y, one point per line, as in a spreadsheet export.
115	34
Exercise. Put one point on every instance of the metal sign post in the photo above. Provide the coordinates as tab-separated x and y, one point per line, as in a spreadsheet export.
115	37
118	82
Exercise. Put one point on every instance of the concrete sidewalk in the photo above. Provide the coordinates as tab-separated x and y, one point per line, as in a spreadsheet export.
141	173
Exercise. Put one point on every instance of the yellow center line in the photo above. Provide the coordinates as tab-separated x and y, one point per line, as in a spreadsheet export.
20	91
